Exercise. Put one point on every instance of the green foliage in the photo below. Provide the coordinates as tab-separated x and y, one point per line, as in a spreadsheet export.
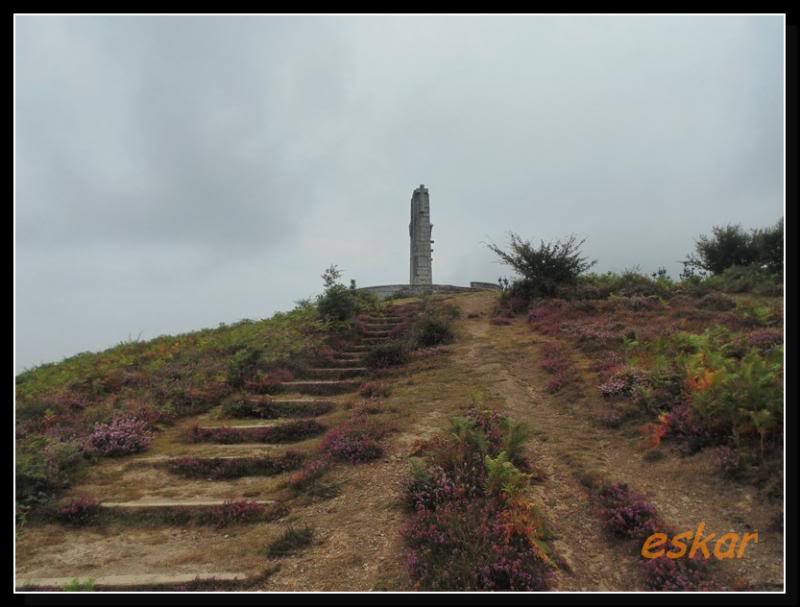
758	315
629	283
431	330
338	303
515	436
739	399
388	354
243	365
502	477
76	585
161	379
743	279
543	269
731	245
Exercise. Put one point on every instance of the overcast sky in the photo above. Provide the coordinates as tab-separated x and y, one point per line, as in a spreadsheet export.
173	173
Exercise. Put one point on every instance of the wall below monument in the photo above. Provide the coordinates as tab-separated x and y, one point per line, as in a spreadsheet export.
384	291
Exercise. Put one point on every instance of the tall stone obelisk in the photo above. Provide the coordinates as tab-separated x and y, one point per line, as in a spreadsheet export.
420	232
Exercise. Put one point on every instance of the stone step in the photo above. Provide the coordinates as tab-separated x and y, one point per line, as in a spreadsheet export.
128	582
318	386
301	401
372	333
272	433
344	363
375	340
270	424
166	504
383	319
334	373
157	460
268	407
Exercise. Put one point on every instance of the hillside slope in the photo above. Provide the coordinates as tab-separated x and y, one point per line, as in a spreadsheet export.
353	508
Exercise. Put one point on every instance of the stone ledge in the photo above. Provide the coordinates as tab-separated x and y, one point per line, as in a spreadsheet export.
128	581
384	291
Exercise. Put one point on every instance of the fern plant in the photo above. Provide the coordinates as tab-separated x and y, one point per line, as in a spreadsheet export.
503	478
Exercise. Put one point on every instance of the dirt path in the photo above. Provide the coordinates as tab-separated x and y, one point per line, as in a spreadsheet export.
567	443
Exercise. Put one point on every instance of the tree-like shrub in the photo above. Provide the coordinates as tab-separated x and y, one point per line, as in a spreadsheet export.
731	245
543	269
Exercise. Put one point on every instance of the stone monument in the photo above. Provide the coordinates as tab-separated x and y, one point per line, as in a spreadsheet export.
421	278
419	230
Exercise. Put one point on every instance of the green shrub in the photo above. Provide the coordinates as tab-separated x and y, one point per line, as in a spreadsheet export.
338	303
731	245
243	365
629	283
543	269
737	401
76	585
388	354
747	279
431	330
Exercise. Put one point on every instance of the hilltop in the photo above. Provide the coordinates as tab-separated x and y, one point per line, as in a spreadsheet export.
634	398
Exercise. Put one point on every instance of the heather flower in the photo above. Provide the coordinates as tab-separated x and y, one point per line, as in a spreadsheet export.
765	338
682	574
627	513
79	511
237	511
354	441
120	436
374	389
622	383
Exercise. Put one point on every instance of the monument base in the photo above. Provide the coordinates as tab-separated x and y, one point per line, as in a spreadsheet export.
384	291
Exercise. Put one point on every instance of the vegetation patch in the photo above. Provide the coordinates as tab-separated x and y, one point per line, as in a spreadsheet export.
283	433
472	528
389	354
265	408
309	480
354	441
231	512
121	436
375	389
79	511
290	541
226	468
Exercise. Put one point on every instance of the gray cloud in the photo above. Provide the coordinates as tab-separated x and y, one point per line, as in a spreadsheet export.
175	172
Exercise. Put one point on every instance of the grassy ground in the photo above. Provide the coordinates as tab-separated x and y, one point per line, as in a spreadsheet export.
356	542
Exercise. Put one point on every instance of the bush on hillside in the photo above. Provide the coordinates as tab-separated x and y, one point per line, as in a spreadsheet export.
121	436
731	245
389	354
543	269
338	303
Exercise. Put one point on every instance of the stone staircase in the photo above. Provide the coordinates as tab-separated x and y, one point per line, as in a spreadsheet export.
342	374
